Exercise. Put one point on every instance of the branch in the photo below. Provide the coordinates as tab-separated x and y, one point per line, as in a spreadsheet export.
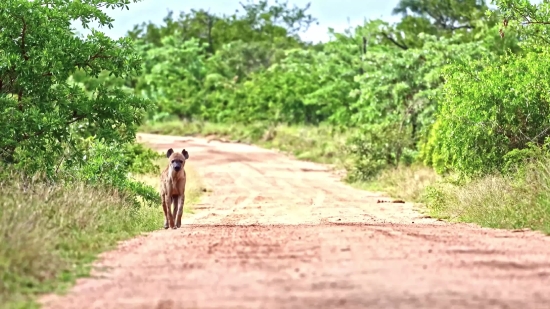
23	35
528	22
25	56
19	99
78	118
97	55
389	38
461	27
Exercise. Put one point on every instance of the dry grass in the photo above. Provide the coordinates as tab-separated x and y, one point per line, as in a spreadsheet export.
521	200
404	182
49	235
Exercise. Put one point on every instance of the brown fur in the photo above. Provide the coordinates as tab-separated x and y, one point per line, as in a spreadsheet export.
172	188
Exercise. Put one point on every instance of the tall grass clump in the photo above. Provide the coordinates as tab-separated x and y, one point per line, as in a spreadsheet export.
520	199
49	233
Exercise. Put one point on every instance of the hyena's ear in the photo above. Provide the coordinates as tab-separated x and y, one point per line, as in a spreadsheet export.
169	152
185	154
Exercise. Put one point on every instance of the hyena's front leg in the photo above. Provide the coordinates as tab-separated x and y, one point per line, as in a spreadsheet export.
169	223
170	218
166	209
174	206
181	201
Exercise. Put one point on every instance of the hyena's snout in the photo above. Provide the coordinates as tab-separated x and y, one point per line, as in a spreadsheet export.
176	165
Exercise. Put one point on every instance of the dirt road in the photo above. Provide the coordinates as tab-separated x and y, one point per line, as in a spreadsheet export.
281	233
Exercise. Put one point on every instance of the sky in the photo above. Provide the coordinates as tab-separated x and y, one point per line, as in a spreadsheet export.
329	13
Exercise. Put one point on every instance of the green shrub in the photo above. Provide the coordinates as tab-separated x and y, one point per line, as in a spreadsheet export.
378	147
488	109
52	126
111	165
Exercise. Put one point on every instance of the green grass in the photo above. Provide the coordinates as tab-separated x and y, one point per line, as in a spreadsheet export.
50	234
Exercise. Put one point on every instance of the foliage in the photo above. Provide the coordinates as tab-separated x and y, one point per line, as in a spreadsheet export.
529	19
377	148
61	116
174	75
365	78
278	24
488	109
110	165
442	18
140	159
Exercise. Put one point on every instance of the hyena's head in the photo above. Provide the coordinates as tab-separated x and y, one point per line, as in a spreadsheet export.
177	159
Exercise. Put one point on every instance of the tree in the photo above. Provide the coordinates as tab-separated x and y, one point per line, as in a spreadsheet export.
42	113
277	24
442	18
532	21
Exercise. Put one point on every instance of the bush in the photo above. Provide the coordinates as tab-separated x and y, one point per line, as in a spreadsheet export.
378	147
112	165
67	145
488	110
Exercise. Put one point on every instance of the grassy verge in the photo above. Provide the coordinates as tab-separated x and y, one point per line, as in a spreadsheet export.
515	201
50	234
404	182
519	200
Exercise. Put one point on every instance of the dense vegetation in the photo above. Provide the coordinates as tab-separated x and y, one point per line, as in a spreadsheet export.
448	106
384	85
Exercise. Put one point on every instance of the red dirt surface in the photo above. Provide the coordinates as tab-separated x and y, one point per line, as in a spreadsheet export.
280	233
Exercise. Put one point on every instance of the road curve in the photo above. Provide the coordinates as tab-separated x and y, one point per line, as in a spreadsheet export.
280	233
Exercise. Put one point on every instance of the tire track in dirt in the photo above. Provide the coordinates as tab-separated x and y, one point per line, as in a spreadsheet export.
281	233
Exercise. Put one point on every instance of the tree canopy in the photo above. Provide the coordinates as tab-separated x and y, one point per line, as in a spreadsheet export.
401	86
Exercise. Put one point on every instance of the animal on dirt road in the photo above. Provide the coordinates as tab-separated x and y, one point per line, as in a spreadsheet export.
172	188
